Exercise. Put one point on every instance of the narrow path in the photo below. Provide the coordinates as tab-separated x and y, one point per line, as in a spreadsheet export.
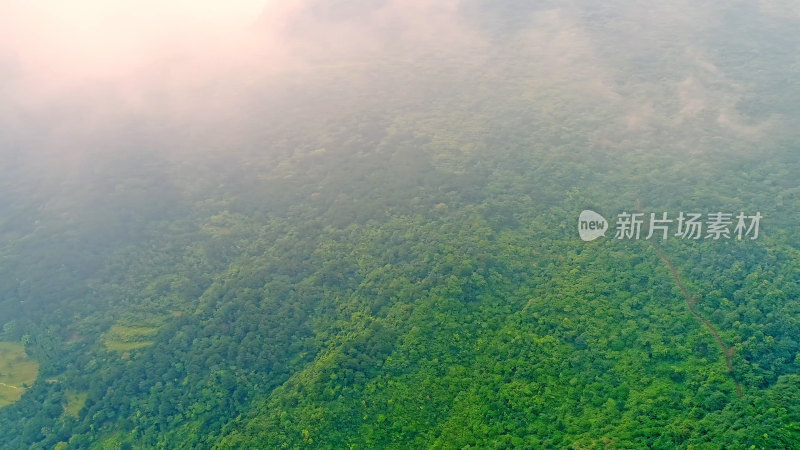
690	303
10	386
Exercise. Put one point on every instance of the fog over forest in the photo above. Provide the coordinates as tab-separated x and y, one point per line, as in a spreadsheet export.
310	223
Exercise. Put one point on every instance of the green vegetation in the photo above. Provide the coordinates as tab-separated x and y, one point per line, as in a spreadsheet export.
123	338
383	253
17	372
75	402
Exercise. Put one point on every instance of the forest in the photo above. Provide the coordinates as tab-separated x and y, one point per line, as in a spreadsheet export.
378	248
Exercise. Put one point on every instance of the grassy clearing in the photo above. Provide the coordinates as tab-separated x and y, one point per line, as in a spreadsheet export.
122	338
75	402
17	371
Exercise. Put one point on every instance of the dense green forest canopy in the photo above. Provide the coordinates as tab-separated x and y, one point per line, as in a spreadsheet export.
370	241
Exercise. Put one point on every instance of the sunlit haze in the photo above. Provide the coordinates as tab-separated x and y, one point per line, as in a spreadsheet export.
98	38
399	224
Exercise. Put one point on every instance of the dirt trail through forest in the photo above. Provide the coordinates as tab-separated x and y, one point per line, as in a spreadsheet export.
690	303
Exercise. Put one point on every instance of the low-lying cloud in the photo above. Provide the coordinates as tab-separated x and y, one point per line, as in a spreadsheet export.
74	74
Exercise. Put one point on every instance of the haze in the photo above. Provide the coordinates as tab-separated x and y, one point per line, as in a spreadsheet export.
206	76
352	224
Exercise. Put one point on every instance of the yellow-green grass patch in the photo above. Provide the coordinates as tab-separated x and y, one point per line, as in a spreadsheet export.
17	372
123	338
75	402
